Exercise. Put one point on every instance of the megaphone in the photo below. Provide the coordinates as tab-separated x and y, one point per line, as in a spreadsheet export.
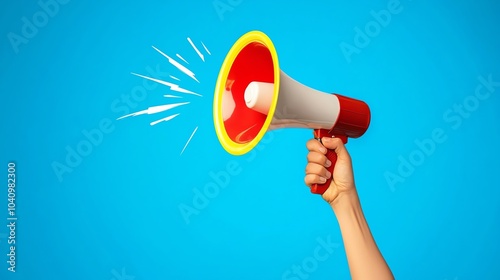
252	95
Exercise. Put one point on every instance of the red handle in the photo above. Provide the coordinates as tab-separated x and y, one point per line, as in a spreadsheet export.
331	155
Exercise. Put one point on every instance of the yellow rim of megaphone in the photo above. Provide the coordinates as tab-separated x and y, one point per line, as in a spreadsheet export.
229	145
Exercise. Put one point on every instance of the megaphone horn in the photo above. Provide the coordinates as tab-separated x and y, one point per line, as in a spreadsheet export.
252	96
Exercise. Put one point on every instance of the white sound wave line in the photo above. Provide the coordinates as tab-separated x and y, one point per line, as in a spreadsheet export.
164	119
173	87
172	96
206	49
189	140
179	56
178	65
175	78
196	49
154	110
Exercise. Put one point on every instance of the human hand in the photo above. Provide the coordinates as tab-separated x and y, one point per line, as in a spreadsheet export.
317	173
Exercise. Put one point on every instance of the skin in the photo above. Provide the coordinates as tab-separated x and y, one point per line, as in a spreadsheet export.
364	257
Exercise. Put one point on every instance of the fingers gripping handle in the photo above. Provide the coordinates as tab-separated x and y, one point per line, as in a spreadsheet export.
330	155
321	188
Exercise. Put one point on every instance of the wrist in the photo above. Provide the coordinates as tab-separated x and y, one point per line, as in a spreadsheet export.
346	200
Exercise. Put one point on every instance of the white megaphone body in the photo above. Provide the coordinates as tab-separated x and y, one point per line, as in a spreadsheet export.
253	95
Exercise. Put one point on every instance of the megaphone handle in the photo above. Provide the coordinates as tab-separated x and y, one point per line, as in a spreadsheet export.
331	155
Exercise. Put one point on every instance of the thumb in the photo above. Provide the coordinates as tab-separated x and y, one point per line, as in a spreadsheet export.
337	145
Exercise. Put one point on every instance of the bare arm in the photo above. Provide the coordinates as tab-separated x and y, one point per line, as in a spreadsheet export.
364	257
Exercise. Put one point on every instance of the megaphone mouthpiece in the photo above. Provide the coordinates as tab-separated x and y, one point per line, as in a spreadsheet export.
259	96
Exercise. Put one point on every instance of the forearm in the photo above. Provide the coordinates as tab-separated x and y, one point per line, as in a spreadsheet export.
364	258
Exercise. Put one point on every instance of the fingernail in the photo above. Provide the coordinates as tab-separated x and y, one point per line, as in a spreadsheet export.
322	149
328	174
328	163
322	179
326	139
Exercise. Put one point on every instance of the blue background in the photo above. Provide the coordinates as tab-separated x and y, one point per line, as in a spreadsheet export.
117	213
